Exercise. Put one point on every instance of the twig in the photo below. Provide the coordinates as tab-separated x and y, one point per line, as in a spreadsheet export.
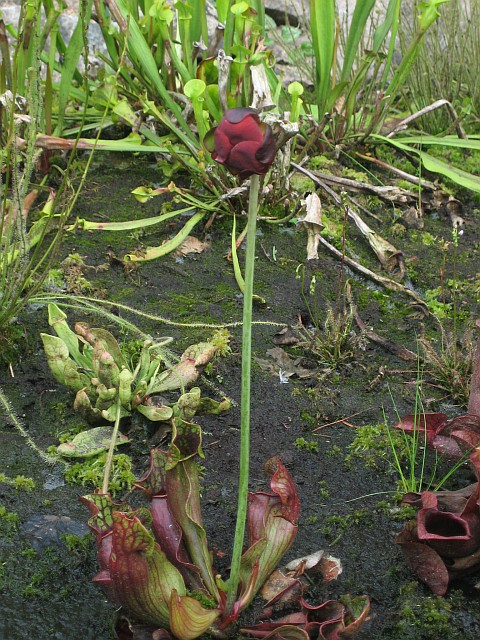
343	420
388	283
431	107
384	251
388	193
425	184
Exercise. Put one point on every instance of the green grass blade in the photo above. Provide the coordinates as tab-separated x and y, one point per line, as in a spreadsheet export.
141	56
69	67
444	141
363	9
259	7
382	30
222	7
322	24
199	21
435	165
389	26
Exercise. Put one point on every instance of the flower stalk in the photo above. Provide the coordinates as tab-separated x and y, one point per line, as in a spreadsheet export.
111	449
245	394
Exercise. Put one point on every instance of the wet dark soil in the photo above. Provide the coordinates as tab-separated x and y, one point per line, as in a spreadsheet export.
349	507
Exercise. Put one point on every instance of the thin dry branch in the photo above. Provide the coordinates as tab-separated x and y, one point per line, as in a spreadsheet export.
386	192
388	283
402	125
388	255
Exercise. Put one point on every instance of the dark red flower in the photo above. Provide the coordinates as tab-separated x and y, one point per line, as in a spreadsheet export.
243	144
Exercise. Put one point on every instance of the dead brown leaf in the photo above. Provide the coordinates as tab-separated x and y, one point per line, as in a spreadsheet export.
279	363
191	245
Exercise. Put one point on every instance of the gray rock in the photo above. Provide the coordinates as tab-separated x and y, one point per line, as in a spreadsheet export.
288	11
46	530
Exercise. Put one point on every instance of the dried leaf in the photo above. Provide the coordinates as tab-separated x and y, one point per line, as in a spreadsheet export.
320	561
191	245
279	360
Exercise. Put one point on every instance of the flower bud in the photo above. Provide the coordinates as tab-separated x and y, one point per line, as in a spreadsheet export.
243	144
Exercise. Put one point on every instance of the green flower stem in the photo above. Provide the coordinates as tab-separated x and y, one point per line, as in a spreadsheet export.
245	400
113	442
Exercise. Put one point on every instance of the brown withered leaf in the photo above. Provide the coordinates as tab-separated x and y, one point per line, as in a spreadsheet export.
281	589
279	363
191	245
319	562
286	337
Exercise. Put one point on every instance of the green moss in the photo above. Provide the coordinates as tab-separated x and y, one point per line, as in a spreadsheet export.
322	162
14	341
307	445
323	492
20	482
353	174
205	601
424	237
374	445
429	616
38	584
79	545
307	417
90	472
8	519
334	452
441	310
335	525
397	512
131	350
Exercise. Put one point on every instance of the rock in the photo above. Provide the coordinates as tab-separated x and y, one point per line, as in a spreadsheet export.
47	530
288	11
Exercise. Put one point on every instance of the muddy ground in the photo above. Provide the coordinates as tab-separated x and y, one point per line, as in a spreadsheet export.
348	507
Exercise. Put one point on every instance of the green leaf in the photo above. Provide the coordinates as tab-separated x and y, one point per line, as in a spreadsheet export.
356	32
322	24
128	225
155	413
435	165
188	619
90	443
194	88
143	577
57	355
444	141
58	321
71	57
152	253
142	57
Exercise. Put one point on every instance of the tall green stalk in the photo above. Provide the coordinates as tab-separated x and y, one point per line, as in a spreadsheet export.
233	581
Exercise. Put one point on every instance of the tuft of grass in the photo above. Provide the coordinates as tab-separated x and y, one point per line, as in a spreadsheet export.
452	48
333	340
451	364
